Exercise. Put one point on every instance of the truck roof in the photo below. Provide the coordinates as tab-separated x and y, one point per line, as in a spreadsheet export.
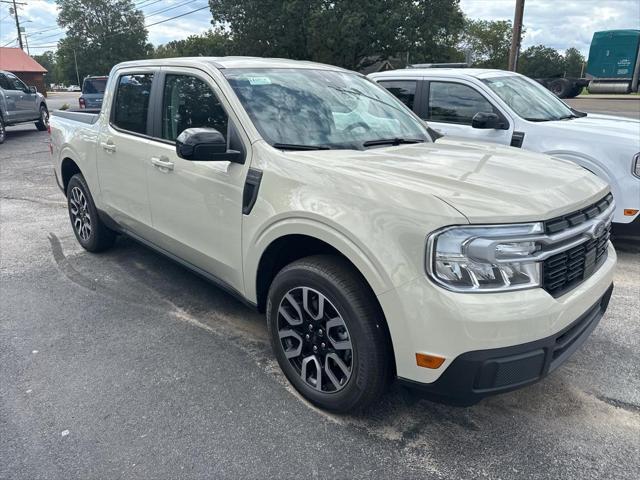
231	62
450	72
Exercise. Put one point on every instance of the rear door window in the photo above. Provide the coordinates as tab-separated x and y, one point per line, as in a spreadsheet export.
131	106
405	90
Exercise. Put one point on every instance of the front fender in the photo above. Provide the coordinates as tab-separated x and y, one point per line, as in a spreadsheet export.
625	189
304	223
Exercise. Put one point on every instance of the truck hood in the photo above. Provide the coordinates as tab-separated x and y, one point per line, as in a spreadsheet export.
487	183
620	128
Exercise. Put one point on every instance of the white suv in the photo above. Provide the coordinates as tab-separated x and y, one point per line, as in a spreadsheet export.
510	109
314	195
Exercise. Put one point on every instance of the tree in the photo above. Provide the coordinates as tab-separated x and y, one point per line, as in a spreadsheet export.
540	61
488	41
211	44
48	61
347	33
100	33
573	62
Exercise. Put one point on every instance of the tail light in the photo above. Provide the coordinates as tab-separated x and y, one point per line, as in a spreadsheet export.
82	103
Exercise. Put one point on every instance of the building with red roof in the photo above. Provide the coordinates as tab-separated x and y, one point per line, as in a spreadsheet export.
16	61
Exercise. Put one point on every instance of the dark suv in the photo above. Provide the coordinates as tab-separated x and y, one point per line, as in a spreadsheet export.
92	92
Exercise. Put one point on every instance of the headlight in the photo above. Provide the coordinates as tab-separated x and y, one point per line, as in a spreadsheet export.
635	166
485	258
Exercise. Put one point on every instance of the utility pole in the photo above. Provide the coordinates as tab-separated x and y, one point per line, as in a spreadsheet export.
26	41
15	14
75	59
516	37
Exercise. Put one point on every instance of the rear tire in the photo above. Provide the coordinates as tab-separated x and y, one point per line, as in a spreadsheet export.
338	356
3	131
90	231
561	87
43	124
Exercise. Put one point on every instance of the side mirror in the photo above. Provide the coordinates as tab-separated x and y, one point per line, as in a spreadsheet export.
205	145
32	89
485	120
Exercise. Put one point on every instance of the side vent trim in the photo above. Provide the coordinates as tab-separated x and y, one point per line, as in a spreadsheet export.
516	139
250	192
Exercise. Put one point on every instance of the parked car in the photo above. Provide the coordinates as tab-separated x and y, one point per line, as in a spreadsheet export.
74	88
20	104
312	194
92	92
510	109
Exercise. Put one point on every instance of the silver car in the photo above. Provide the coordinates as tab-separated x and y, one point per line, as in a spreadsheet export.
20	104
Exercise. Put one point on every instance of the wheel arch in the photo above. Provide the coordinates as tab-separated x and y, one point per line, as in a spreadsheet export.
313	236
68	168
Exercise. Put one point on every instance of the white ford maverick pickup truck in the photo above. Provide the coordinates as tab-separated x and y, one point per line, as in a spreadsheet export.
315	196
511	109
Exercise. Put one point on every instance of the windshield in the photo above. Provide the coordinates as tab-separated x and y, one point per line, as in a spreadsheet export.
528	98
94	85
323	109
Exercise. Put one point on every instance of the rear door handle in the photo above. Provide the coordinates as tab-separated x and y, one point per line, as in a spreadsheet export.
108	147
162	164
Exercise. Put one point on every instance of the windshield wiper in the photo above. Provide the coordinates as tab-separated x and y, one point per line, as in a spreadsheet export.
294	146
391	141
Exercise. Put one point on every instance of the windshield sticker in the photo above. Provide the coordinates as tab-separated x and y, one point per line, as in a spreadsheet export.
259	80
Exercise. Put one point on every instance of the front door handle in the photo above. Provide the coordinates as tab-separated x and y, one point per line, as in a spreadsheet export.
162	164
108	147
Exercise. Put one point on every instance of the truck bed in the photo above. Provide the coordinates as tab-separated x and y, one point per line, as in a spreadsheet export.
88	116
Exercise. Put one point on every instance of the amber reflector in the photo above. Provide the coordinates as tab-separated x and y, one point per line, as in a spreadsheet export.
428	361
630	212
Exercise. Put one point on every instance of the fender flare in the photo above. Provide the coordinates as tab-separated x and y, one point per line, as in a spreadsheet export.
305	224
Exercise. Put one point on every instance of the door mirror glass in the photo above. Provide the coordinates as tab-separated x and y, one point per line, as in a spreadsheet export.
205	145
32	89
485	120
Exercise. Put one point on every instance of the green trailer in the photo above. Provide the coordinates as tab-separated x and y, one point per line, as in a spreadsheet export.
613	66
614	62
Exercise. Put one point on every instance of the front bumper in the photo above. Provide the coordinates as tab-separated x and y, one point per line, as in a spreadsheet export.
424	318
631	229
475	375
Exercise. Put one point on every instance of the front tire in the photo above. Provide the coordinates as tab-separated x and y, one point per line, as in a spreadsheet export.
90	231
328	333
43	124
3	131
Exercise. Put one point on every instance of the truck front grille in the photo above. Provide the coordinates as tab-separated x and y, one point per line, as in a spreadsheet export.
565	270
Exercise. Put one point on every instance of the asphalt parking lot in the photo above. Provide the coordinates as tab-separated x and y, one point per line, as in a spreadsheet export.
125	365
623	106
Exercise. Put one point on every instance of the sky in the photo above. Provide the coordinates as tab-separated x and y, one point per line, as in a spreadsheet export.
555	23
560	24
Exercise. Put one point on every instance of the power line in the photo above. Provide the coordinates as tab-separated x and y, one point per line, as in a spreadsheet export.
57	27
146	26
140	7
177	16
45	30
49	36
169	8
11	41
